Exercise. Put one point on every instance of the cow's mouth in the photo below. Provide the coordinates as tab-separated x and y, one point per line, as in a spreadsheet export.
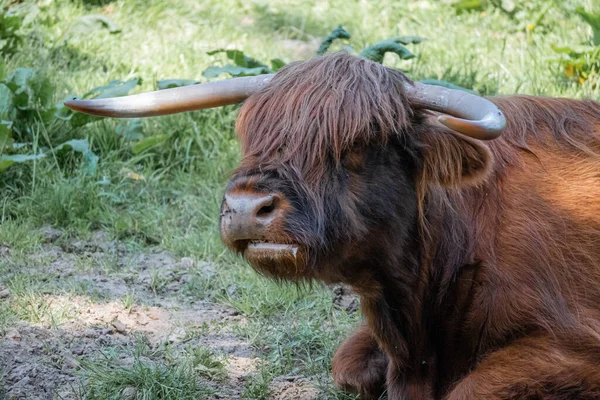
258	249
277	260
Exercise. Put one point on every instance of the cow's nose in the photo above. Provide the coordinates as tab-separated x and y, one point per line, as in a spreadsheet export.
247	216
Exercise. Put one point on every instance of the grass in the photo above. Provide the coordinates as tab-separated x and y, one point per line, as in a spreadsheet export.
107	377
168	196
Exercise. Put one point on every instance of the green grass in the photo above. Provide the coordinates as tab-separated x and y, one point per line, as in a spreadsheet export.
143	378
29	300
175	205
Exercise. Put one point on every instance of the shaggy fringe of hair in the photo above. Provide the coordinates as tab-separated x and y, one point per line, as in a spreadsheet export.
314	111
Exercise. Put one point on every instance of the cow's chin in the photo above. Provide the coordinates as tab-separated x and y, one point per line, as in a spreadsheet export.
277	260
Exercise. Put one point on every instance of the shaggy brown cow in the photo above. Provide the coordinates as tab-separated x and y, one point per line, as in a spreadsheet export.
477	263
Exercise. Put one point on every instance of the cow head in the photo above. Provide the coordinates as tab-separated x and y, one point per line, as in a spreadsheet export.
338	152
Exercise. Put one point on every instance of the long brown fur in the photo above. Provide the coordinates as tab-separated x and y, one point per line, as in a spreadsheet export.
499	297
301	123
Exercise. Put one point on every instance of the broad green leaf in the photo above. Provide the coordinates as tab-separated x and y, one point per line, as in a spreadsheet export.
78	145
572	52
8	160
562	50
17	81
90	160
43	89
173	83
250	62
6	102
468	5
130	129
337	33
114	88
5	135
448	85
9	38
233	70
47	115
378	50
408	39
26	11
30	90
80	119
593	20
277	64
19	84
148	142
90	163
93	23
10	23
239	58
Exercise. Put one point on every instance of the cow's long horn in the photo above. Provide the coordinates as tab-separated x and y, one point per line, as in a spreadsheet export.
175	100
468	114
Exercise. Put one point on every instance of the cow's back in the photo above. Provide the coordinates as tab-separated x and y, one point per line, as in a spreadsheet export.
541	256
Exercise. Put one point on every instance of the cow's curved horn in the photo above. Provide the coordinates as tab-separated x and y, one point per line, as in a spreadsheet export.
468	114
175	100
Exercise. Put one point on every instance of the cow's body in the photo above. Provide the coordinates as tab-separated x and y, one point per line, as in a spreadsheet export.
509	306
477	264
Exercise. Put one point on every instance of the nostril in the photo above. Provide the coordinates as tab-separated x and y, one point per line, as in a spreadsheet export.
267	208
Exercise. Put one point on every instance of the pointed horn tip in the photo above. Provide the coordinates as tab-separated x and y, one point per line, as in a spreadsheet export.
90	107
74	104
489	128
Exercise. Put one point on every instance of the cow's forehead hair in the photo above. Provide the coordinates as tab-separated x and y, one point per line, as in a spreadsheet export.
314	111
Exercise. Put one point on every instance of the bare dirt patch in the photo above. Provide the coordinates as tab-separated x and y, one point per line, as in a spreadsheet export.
111	297
294	388
40	363
42	360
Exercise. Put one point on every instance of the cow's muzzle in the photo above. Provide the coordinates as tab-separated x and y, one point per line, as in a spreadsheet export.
251	223
247	216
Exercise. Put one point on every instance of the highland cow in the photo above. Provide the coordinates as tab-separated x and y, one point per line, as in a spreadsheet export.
477	261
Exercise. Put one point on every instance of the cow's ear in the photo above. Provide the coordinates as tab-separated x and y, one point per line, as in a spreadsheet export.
453	160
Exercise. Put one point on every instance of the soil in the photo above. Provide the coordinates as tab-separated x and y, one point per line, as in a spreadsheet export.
41	361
